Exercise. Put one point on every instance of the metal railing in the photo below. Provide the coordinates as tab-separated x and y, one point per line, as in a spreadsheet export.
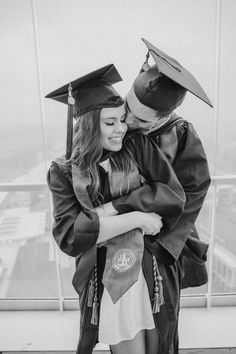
207	299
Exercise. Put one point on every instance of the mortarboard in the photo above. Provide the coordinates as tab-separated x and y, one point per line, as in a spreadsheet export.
164	92
91	91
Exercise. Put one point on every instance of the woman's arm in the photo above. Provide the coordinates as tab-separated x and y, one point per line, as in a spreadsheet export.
112	226
75	230
106	209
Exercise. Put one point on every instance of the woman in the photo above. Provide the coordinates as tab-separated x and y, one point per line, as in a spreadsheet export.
105	165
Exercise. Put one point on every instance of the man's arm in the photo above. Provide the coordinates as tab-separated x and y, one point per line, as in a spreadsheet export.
162	194
191	168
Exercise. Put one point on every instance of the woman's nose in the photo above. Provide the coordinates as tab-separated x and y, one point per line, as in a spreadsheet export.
121	127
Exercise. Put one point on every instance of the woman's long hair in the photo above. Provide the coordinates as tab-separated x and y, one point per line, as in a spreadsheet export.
87	151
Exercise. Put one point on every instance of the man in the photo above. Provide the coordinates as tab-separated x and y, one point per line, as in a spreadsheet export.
156	93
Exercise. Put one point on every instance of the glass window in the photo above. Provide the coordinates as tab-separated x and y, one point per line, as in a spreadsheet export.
37	60
27	255
224	248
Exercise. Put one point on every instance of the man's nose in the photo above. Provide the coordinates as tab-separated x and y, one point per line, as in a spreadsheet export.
129	119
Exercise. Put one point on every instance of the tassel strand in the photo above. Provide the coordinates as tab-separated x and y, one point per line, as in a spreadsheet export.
158	299
94	319
91	292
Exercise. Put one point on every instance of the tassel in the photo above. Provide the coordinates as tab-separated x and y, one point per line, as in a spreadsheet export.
91	293
146	66
94	319
69	137
161	296
158	299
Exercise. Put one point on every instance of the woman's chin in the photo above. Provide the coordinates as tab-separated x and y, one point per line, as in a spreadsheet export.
114	147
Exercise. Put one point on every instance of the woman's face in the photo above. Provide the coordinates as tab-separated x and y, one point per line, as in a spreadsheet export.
113	127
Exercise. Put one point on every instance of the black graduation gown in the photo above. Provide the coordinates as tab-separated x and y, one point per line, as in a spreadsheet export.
183	148
76	230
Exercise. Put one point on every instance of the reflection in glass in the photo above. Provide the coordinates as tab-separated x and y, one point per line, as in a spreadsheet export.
224	246
224	249
67	269
27	261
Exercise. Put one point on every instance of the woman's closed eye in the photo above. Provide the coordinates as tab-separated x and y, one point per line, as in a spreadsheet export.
109	121
113	121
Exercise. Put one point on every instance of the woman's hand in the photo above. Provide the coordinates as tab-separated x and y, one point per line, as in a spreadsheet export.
150	223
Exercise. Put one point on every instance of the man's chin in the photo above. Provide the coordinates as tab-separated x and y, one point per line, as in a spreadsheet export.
133	128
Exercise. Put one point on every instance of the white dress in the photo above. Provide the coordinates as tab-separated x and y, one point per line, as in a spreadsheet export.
128	316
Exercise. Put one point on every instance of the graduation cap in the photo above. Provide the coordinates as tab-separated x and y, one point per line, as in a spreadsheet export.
91	91
163	86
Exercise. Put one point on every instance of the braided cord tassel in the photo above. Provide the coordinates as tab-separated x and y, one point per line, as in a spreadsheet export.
91	292
158	299
94	319
146	66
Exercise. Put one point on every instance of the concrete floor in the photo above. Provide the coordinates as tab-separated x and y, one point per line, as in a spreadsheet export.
50	332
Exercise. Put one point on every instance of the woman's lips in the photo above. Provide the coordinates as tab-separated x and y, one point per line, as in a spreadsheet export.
117	139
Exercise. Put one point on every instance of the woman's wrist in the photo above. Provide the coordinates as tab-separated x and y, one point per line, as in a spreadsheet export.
106	210
138	218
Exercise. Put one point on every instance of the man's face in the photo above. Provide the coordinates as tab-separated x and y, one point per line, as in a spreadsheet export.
134	122
139	116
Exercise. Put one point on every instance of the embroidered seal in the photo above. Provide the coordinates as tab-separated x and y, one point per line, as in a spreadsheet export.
123	260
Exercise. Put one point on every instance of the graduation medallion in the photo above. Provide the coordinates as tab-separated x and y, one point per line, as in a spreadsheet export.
123	260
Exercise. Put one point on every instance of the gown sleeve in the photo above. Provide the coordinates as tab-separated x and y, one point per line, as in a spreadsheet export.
75	230
191	168
162	194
